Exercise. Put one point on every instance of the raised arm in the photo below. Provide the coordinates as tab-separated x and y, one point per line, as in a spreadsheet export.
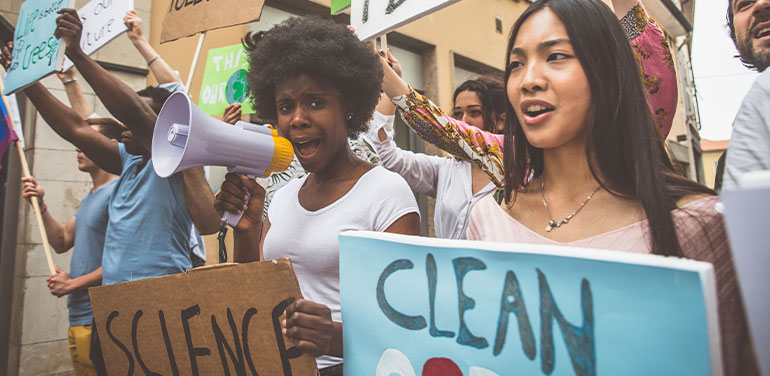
419	170
68	124
453	136
75	93
159	68
656	64
122	102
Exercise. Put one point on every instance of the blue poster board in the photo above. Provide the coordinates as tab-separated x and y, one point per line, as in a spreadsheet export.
36	52
420	306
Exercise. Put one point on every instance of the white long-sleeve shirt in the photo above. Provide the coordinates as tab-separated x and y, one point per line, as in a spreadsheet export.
447	179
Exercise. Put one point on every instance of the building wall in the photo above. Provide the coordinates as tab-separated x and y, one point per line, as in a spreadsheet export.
710	159
39	320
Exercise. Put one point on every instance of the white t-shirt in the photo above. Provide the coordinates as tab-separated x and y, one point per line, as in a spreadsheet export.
311	238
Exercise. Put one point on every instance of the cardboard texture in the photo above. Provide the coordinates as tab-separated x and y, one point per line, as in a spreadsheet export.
189	17
36	53
430	307
218	320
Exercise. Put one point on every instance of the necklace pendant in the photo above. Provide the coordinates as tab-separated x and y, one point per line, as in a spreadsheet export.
548	228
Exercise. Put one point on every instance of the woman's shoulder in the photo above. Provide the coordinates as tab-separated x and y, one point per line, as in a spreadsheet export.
700	227
385	179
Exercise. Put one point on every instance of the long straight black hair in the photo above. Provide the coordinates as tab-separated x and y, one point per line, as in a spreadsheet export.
624	148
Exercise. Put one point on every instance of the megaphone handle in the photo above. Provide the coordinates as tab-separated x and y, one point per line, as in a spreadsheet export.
231	219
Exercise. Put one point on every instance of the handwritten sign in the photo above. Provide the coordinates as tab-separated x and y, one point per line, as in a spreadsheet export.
102	22
224	80
189	17
36	52
420	306
218	320
373	18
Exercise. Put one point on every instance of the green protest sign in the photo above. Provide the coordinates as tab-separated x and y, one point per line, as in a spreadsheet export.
224	80
339	5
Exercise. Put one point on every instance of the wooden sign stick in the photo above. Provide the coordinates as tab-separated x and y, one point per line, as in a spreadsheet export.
194	62
35	203
384	43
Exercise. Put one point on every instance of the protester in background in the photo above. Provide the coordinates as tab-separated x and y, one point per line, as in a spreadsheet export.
584	162
749	148
456	184
485	149
84	234
323	92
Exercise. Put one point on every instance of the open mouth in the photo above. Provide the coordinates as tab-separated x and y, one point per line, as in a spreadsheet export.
306	148
536	110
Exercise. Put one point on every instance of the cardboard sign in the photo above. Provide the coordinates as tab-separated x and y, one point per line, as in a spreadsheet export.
102	22
373	18
745	211
36	53
338	6
218	320
421	306
224	80
189	17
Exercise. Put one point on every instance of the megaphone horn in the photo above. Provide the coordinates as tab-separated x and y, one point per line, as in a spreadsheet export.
186	137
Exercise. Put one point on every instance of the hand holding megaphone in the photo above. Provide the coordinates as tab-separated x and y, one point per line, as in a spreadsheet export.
186	137
240	194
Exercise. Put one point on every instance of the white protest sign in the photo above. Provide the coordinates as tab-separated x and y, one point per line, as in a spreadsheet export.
745	211
102	22
373	18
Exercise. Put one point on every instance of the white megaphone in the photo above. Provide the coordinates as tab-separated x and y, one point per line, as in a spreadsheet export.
185	137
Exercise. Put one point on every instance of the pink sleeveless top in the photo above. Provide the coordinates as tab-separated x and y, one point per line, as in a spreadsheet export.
702	237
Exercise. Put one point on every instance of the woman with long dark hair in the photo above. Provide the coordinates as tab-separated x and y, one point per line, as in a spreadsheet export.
585	164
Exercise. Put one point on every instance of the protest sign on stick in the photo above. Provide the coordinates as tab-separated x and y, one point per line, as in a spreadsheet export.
224	80
372	18
19	146
422	306
102	22
36	52
217	320
187	17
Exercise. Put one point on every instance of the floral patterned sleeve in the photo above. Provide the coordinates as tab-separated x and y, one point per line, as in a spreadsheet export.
485	149
655	65
459	139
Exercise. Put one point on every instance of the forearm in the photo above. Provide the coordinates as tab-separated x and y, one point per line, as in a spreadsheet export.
246	245
459	139
120	99
62	119
160	69
200	201
55	232
87	280
335	347
77	99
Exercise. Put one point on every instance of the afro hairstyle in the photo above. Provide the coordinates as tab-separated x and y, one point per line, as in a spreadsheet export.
321	49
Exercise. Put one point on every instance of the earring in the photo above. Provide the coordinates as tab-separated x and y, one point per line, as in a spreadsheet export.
350	116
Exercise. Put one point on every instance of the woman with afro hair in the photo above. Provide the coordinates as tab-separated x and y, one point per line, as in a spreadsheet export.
319	85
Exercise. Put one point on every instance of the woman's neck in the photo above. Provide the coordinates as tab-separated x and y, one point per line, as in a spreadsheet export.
341	167
566	169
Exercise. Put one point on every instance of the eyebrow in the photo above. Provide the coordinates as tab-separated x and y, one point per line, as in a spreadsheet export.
473	105
544	45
